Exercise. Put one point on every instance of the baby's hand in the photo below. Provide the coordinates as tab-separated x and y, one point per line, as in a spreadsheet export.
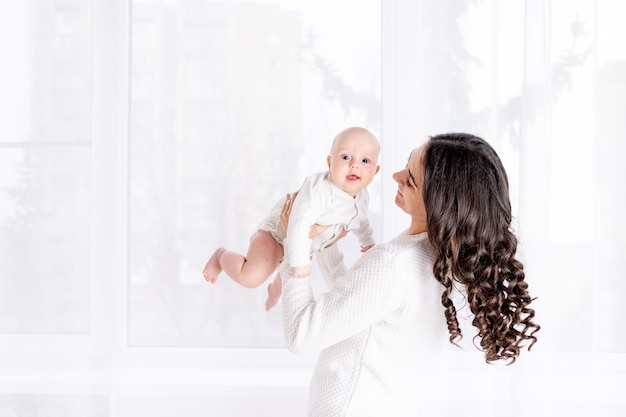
301	271
366	248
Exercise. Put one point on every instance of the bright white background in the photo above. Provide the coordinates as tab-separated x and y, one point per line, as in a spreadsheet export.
137	136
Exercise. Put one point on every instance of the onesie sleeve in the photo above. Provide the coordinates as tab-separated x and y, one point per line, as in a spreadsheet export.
364	232
364	295
304	212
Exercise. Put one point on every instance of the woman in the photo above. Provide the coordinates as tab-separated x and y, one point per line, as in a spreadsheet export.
383	322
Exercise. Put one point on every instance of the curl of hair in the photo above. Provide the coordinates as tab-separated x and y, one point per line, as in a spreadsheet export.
466	195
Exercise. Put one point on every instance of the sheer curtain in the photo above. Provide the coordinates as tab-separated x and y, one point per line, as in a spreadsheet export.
139	135
232	105
544	82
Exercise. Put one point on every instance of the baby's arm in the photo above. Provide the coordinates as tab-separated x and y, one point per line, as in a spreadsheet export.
364	232
365	235
298	247
304	209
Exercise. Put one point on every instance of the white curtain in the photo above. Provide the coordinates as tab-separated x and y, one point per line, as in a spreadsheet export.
544	82
139	135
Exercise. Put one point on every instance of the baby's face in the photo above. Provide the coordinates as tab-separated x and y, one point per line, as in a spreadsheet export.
353	161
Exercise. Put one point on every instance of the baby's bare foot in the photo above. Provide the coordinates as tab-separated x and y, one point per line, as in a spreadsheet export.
273	295
213	268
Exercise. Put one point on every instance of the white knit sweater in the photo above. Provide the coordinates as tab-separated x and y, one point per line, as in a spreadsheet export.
380	328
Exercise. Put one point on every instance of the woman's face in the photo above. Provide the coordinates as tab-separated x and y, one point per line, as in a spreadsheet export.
410	184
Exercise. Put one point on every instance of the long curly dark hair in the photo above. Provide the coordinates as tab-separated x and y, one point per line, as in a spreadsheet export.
466	195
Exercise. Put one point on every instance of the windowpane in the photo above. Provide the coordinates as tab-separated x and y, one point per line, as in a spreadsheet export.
45	166
45	81
233	104
44	238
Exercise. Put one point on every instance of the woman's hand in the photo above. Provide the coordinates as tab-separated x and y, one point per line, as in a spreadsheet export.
286	211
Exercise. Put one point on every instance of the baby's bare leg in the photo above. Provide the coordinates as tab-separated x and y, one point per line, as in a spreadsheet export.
213	266
263	257
273	292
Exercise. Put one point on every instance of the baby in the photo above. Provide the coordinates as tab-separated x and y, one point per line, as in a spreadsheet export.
334	201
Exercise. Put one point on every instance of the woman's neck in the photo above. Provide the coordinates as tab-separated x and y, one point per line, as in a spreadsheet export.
417	226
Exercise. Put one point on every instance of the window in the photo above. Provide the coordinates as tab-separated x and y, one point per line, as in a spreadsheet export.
138	136
233	104
45	168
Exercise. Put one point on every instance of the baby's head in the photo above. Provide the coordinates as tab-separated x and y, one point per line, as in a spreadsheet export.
353	159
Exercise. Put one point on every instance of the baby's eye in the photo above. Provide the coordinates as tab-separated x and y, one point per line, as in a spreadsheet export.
345	157
366	161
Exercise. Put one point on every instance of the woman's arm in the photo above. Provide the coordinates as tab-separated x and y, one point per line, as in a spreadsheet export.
365	295
331	264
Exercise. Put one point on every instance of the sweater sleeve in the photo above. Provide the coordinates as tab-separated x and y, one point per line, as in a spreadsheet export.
363	296
331	264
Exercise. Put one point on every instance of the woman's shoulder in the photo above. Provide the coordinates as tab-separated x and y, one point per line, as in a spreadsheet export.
400	259
403	246
405	241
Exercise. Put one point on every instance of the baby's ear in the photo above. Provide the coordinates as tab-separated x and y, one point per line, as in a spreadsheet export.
328	160
377	169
